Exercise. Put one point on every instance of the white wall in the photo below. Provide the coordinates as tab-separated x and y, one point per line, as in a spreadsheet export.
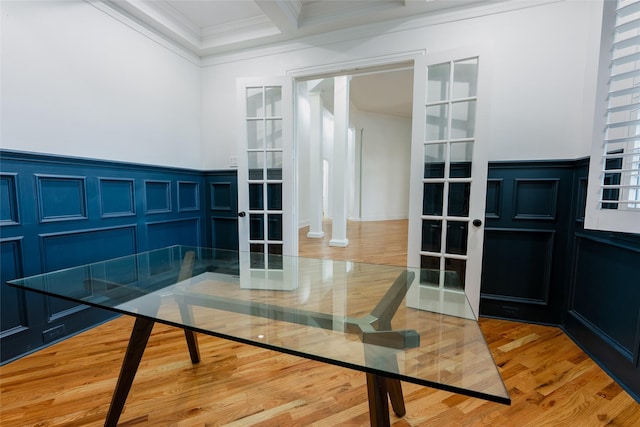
544	60
386	150
75	81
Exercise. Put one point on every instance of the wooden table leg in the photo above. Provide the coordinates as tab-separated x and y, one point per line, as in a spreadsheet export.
192	339
186	269
192	343
394	388
137	343
379	388
378	402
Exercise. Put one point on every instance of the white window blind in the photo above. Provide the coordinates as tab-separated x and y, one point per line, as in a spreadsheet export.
617	165
621	183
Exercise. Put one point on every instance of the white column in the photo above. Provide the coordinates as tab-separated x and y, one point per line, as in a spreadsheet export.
315	166
340	176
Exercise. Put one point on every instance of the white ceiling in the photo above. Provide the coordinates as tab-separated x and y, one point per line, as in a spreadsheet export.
210	27
215	27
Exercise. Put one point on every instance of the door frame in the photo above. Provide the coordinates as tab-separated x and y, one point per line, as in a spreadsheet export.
482	128
353	67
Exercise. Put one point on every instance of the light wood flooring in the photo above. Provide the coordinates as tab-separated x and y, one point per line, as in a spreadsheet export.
551	381
376	242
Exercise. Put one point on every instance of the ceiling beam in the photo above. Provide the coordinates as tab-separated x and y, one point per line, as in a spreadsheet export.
285	14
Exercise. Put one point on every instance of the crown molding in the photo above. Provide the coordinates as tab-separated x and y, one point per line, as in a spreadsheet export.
163	18
125	18
237	32
236	41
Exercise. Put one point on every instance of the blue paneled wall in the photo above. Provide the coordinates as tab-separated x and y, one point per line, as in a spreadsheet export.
539	263
58	212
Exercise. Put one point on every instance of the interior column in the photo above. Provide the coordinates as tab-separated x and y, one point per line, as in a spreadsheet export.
339	167
315	166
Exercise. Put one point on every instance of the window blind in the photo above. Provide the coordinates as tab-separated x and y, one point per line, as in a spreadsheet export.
620	187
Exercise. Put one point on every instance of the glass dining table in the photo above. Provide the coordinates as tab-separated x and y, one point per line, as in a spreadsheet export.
386	321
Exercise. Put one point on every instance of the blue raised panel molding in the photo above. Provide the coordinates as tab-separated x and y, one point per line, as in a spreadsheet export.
494	198
535	199
157	196
224	233
222	213
73	248
77	247
188	196
12	300
613	310
61	198
221	196
67	211
174	232
581	202
530	203
524	271
117	197
9	212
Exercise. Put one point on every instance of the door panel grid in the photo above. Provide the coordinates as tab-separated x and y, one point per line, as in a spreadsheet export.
450	112
265	179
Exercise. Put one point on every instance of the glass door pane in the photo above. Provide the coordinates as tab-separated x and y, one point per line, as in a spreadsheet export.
450	111
265	178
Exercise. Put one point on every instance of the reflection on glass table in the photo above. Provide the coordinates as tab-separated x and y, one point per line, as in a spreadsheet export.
386	321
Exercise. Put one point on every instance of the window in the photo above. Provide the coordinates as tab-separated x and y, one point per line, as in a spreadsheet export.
613	201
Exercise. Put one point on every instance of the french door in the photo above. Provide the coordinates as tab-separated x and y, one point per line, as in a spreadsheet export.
266	188
449	172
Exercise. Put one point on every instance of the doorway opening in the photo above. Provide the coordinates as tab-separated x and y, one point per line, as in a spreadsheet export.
373	164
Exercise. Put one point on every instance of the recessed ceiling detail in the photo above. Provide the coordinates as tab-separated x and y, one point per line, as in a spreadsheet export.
211	27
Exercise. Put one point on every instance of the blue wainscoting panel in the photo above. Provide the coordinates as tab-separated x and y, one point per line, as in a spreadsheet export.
528	222
73	248
66	211
607	291
224	233
535	198
524	271
221	195
61	198
603	296
8	199
581	198
13	304
158	196
117	197
222	209
494	198
188	196
174	232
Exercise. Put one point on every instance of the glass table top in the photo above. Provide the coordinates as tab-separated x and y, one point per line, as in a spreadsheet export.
375	318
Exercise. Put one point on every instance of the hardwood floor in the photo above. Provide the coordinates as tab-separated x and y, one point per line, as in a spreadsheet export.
376	242
551	381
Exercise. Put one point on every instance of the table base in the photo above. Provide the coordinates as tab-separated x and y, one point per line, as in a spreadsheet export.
380	389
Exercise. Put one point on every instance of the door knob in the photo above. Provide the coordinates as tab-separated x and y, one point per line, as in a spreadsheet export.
477	222
242	214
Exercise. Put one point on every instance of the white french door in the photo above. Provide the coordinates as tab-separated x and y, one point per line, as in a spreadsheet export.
266	164
449	171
